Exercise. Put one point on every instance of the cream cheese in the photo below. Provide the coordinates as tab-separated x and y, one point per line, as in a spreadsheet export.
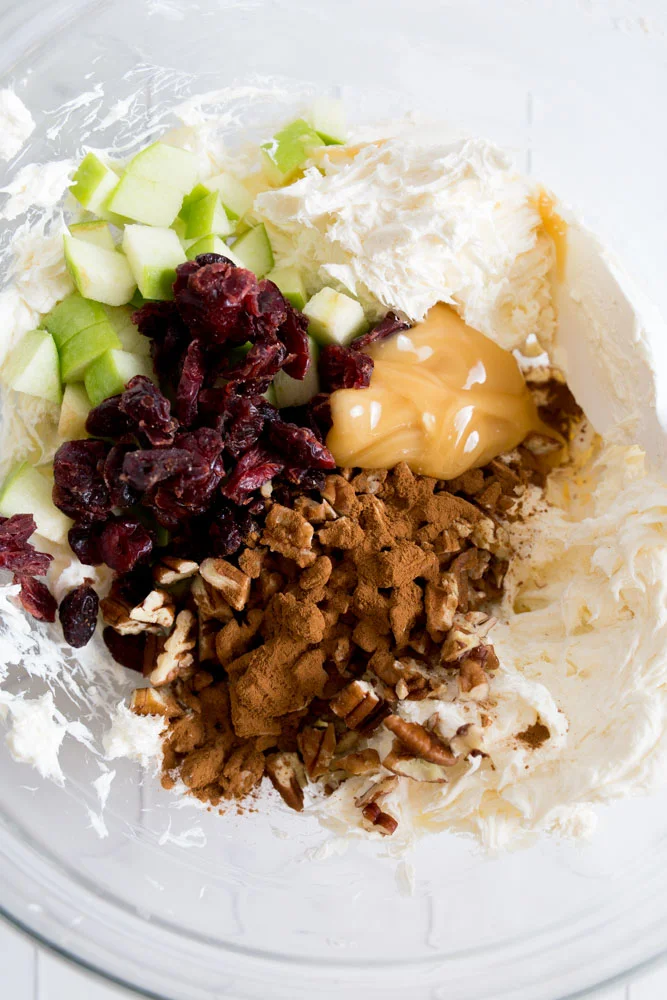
16	124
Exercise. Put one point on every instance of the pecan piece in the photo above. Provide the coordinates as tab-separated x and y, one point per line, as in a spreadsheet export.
288	777
472	680
317	746
360	707
419	741
211	603
176	660
172	569
230	581
157	608
415	768
242	772
148	701
287	532
385	823
359	762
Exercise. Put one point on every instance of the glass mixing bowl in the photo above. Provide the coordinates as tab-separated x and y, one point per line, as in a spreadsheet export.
182	904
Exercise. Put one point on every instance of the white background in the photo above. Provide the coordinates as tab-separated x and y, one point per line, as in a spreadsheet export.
31	973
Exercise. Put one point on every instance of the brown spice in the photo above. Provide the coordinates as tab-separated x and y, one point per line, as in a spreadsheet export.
534	736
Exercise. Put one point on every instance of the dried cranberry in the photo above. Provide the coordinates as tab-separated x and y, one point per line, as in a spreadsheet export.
78	615
124	542
245	429
128	650
262	362
229	529
344	368
387	327
204	442
190	382
256	467
149	410
84	541
217	301
294	335
25	561
161	322
134	586
272	309
306	479
80	490
144	469
107	420
36	598
319	415
121	492
300	446
203	259
16	530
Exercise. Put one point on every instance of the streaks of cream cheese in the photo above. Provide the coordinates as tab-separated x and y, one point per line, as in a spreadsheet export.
407	223
133	736
16	124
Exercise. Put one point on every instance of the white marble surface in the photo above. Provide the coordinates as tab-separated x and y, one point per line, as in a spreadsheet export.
28	972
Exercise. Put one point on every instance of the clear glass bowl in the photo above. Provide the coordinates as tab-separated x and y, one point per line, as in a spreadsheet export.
182	904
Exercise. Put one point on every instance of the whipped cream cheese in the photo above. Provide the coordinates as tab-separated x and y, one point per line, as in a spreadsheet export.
16	124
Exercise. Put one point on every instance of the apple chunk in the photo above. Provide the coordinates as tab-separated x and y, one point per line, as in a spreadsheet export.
165	164
73	413
154	254
99	274
289	149
71	316
206	217
290	283
120	318
97	231
33	367
334	318
295	392
28	491
81	351
254	251
109	374
234	195
150	202
327	116
212	244
93	182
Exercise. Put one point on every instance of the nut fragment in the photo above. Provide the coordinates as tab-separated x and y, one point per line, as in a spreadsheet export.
473	681
148	701
414	767
359	762
171	569
360	707
385	823
377	791
286	531
288	777
116	613
155	609
211	603
176	659
317	746
230	581
440	602
419	741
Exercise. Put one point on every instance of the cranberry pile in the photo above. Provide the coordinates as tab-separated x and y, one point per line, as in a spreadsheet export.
180	467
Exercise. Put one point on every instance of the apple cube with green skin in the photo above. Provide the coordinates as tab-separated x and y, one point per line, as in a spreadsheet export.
120	318
327	117
33	367
296	392
290	283
198	192
234	195
164	164
109	374
27	491
93	183
334	318
207	217
74	412
289	149
254	251
142	200
71	316
154	254
81	351
99	274
97	231
212	244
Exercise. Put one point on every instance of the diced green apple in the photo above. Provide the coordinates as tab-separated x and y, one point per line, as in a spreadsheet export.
73	412
254	251
71	316
334	318
198	192
207	217
234	195
96	232
33	367
179	227
128	334
327	117
289	149
154	254
150	202
165	164
81	351
101	275
295	392
28	491
109	374
93	182
212	244
290	283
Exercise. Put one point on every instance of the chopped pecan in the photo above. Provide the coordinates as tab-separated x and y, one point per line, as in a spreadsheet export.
286	531
360	707
370	481
156	609
314	512
317	575
211	603
242	772
441	600
359	762
419	741
472	680
171	569
251	562
206	633
234	639
148	701
377	791
415	768
230	581
288	776
375	817
459	643
468	737
341	496
176	660
116	613
317	746
343	533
